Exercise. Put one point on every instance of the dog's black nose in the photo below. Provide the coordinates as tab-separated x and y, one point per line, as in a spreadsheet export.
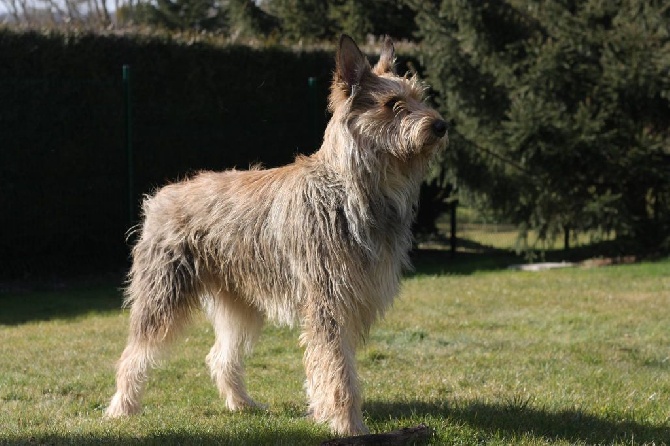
439	127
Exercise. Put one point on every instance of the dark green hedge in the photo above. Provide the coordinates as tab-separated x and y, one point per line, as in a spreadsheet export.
63	161
63	164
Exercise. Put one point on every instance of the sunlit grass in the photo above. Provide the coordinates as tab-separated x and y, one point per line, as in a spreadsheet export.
478	232
575	356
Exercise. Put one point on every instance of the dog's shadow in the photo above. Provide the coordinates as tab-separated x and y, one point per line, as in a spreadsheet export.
517	419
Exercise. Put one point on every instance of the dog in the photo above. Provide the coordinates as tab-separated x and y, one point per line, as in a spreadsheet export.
321	242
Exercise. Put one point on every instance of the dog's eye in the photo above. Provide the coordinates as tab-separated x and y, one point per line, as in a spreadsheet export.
391	103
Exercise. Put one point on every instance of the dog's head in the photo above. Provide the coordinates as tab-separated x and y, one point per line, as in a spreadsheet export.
384	111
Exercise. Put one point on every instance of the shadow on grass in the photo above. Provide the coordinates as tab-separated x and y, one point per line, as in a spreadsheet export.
472	257
440	262
502	422
19	307
513	420
287	437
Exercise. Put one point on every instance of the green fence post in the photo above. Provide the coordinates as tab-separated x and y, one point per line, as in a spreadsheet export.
128	121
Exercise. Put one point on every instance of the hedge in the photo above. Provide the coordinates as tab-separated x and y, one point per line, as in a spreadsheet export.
195	105
63	162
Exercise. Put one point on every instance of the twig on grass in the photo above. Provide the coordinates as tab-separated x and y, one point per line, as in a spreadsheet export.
407	435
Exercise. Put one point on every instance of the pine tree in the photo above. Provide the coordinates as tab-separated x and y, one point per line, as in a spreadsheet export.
560	109
325	20
352	17
360	18
182	15
247	19
302	19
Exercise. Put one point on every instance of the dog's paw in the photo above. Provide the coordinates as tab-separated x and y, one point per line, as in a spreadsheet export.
243	403
121	407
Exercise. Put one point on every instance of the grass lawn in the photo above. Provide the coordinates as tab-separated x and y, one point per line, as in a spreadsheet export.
481	355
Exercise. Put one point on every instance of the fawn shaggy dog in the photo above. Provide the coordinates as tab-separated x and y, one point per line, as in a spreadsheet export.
321	242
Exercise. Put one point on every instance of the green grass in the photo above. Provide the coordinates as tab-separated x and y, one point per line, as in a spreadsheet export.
480	354
479	232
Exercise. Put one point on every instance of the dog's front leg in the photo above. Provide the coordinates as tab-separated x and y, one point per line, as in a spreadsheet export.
330	364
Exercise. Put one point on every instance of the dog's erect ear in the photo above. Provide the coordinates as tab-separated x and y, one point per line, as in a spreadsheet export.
386	62
350	63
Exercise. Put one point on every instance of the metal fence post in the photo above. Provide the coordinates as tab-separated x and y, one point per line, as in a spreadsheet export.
128	121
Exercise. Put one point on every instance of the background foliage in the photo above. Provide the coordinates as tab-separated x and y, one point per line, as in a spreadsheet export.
195	105
63	161
560	110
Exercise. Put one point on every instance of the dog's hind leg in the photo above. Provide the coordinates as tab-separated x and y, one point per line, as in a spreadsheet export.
161	295
131	376
237	326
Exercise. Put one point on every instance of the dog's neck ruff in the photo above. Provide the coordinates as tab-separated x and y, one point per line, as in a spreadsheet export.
379	194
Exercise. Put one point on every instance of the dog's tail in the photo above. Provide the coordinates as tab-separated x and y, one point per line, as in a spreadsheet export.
161	290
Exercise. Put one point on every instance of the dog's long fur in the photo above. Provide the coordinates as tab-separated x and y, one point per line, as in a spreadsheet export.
321	242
